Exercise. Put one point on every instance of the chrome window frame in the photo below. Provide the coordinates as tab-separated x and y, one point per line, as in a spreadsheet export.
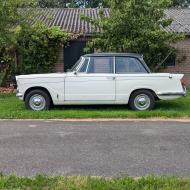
82	63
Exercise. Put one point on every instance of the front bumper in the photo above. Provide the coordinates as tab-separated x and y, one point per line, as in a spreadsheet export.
19	95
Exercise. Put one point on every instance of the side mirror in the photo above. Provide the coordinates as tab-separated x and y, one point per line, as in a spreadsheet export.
75	73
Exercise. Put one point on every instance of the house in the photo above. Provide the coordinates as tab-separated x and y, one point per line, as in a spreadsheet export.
70	21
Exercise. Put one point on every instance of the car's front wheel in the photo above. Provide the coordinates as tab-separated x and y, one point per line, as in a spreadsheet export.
142	100
37	100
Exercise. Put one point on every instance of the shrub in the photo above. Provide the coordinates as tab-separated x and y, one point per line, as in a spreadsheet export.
38	48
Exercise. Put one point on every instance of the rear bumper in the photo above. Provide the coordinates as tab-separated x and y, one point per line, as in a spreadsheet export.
184	93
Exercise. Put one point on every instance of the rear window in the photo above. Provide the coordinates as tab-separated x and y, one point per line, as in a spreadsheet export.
129	65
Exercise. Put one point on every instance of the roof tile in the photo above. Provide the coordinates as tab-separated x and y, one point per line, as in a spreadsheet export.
69	19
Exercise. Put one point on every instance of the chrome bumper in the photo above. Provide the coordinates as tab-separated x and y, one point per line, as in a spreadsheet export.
18	94
185	90
184	93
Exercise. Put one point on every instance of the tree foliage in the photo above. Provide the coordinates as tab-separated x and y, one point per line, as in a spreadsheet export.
38	48
10	17
88	3
37	44
53	3
72	3
181	3
134	26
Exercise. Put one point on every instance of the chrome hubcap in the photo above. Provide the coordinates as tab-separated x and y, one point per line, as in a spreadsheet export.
142	102
37	102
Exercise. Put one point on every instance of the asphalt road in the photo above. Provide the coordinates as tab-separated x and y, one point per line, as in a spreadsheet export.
106	148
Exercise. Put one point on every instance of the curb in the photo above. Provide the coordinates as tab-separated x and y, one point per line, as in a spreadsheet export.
185	120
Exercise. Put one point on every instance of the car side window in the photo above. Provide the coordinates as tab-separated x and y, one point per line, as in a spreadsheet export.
101	65
84	66
129	65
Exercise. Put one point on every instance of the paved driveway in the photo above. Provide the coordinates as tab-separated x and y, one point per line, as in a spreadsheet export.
95	148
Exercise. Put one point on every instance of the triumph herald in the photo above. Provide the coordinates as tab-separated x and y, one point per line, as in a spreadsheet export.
101	78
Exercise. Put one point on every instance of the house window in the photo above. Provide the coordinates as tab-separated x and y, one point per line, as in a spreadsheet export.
129	65
171	60
101	65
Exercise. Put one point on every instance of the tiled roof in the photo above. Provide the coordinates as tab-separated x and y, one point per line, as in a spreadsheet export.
70	19
181	20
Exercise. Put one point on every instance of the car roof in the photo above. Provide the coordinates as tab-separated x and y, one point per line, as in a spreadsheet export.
113	54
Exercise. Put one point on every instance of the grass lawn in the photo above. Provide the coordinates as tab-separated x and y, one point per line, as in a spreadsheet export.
89	183
12	107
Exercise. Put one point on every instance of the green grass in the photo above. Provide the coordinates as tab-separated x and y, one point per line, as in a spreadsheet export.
12	108
93	183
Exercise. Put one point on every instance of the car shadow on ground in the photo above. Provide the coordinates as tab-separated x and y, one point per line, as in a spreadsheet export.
160	105
92	107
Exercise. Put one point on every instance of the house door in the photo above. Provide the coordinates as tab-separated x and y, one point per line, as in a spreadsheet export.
72	53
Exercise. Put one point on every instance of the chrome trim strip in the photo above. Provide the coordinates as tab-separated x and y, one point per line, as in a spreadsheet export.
88	65
114	65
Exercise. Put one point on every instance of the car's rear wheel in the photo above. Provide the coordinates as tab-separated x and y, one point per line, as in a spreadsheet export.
37	100
142	100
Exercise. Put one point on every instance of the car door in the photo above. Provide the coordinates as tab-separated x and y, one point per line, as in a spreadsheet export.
94	82
130	74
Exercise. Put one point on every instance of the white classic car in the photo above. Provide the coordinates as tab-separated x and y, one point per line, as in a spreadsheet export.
103	78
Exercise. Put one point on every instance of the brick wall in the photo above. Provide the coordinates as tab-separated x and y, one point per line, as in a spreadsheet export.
182	60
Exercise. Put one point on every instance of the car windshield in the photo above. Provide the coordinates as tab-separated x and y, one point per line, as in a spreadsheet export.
75	66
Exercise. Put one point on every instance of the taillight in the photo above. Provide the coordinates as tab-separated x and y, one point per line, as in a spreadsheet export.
183	82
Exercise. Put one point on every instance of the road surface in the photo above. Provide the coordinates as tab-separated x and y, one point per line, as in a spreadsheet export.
97	148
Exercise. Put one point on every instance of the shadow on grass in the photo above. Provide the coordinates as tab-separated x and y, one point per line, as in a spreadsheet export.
160	105
91	107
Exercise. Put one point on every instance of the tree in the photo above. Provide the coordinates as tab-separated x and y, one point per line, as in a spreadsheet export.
89	3
39	44
134	26
181	3
36	43
72	3
53	3
10	17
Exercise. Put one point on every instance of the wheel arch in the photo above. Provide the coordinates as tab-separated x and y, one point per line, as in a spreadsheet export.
148	89
38	88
